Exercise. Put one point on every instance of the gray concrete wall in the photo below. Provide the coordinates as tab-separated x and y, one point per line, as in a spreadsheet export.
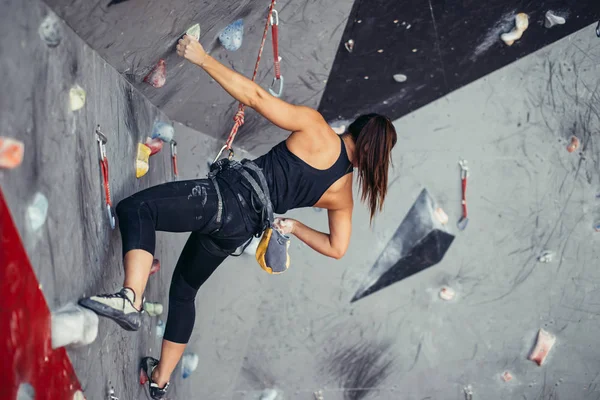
297	331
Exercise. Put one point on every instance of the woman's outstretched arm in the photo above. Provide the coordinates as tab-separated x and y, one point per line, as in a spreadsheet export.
285	115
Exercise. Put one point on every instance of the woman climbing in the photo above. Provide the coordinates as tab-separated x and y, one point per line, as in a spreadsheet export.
313	167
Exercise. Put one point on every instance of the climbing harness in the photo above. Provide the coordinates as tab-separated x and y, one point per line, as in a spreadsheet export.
101	139
239	115
277	60
464	173
174	158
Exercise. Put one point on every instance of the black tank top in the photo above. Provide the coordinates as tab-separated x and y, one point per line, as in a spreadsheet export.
295	184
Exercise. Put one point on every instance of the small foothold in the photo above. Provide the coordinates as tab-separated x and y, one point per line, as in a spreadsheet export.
396	21
11	152
153	309
507	376
141	162
160	328
400	78
189	363
78	395
318	395
408	26
233	35
158	76
49	30
25	392
380	51
441	216
194	31
597	227
543	345
573	145
37	212
163	131
77	97
553	19
349	45
447	293
546	257
414	50
155	266
468	390
155	145
366	77
521	24
73	326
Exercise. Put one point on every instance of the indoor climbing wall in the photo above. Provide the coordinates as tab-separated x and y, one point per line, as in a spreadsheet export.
134	36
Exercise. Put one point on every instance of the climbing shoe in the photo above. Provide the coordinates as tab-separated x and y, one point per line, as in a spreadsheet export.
146	367
118	307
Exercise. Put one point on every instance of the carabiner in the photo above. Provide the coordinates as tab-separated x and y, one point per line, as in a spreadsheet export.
276	20
464	169
230	154
277	94
219	153
111	217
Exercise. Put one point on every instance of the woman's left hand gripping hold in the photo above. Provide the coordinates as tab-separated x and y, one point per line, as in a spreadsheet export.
191	50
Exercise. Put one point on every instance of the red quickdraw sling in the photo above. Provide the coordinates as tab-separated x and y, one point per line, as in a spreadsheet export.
101	139
239	115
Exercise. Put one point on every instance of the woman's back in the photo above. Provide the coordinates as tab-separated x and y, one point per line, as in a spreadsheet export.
300	170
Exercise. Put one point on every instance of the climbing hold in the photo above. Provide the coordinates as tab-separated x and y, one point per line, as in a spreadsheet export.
419	243
37	212
155	145
553	19
270	394
49	30
349	45
155	266
546	256
163	131
447	293
158	76
153	309
77	97
543	345
73	326
111	394
189	363
194	31
141	162
597	227
318	395
468	390
573	145
160	328
521	24
78	395
400	78
507	376
11	152
25	392
232	36
441	215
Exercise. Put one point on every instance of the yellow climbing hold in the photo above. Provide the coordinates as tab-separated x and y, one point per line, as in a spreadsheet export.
77	97
521	25
141	162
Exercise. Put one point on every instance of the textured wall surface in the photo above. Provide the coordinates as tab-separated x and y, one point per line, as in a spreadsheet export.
298	332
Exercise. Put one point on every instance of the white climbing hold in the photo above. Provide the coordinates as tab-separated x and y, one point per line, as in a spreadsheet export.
318	395
153	309
194	31
400	78
76	97
163	131
546	256
160	328
78	395
521	25
447	293
25	392
189	363
553	19
73	326
270	394
232	36
37	212
49	30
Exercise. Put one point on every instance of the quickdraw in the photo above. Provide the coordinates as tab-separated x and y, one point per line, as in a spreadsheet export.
239	115
464	173
101	139
174	158
277	60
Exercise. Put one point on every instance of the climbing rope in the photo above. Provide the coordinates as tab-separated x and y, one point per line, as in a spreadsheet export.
239	115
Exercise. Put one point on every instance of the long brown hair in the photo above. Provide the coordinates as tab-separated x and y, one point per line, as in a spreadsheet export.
374	137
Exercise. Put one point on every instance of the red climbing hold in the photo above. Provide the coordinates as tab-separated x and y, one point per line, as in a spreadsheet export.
543	345
158	76
573	145
155	145
11	152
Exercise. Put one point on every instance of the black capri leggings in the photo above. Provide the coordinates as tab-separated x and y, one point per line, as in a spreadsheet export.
189	206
